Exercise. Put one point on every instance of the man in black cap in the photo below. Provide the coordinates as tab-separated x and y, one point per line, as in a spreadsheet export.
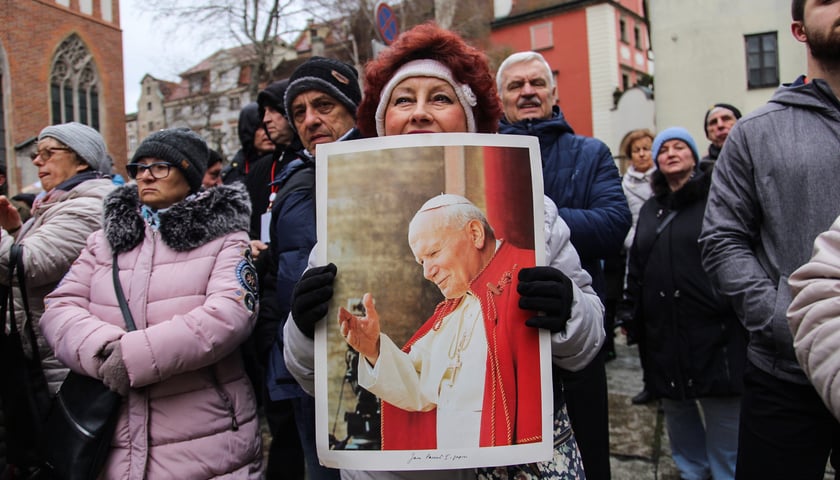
273	119
719	119
320	104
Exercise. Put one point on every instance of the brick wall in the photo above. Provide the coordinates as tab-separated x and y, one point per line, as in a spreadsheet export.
30	33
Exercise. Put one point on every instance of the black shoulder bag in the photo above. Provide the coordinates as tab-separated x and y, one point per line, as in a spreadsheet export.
82	419
23	387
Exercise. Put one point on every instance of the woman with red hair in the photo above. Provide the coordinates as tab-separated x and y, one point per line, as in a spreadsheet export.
420	47
430	80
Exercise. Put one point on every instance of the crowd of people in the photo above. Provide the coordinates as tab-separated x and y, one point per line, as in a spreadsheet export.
733	317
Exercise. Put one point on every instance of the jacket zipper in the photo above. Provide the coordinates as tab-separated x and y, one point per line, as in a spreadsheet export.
234	423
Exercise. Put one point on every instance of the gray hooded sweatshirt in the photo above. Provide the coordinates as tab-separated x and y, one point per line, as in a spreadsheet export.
776	186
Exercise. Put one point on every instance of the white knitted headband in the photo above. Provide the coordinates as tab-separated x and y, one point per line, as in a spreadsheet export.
426	68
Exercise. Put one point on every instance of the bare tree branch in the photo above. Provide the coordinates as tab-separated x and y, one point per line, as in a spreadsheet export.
260	25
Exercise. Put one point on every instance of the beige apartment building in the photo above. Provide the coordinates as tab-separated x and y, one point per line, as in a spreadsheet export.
709	51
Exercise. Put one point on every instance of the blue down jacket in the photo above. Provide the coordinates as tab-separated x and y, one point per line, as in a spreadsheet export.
580	176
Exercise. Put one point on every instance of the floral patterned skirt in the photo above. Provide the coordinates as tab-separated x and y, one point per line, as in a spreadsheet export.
565	465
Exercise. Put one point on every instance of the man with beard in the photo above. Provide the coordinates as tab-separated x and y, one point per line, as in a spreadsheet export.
774	190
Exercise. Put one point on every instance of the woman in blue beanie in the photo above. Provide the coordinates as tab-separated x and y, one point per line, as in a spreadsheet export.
695	346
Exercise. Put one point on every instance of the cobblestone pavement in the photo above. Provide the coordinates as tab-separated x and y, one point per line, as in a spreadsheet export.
638	443
639	447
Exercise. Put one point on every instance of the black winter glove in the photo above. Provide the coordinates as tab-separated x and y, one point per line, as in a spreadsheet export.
311	297
626	321
546	290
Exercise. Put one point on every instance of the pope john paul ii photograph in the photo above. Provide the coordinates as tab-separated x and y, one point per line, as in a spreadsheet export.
426	346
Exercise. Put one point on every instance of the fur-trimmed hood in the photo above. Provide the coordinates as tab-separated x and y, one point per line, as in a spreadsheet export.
696	188
184	226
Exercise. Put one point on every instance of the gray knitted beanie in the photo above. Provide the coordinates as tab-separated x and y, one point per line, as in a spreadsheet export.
86	142
179	147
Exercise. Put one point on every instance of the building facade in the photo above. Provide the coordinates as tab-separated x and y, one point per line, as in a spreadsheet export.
60	61
597	48
210	95
710	51
207	100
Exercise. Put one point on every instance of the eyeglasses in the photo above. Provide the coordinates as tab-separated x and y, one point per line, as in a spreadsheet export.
47	153
157	170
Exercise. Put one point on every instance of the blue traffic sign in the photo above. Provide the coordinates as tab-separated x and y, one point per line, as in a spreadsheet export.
386	23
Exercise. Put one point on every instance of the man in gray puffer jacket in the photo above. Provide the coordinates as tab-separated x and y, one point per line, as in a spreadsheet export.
775	188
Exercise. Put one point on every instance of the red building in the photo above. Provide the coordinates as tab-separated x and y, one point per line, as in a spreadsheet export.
60	61
597	49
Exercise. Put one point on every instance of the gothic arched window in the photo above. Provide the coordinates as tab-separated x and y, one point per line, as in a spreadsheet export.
74	84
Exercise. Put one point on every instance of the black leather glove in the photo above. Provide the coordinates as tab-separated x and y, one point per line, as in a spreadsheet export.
311	297
546	290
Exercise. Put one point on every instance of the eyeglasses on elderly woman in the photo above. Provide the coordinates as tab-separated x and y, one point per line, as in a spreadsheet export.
158	170
47	153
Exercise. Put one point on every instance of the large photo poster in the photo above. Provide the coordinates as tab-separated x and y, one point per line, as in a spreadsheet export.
424	360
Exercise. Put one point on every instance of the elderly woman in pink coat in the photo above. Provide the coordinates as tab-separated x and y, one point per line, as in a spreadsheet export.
189	410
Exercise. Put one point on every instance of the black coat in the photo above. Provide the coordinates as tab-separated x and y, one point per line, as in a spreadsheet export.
694	345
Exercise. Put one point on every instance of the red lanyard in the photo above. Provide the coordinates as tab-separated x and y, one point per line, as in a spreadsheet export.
274	188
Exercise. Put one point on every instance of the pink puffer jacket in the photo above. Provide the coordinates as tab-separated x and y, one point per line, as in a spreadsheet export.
191	412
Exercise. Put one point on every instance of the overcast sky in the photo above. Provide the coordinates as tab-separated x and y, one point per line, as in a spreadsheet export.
165	49
148	47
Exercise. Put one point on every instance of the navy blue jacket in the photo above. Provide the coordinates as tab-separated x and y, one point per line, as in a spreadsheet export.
580	176
293	234
292	237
